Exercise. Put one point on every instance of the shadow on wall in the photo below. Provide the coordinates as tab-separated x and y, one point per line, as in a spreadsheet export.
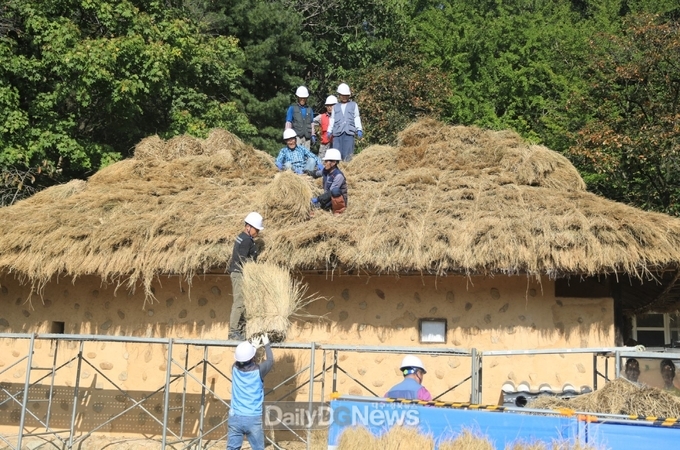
502	306
372	310
89	306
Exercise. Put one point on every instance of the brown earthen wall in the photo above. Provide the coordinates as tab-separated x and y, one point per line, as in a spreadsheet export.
488	313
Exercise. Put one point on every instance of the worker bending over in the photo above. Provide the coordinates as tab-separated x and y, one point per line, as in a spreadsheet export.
334	197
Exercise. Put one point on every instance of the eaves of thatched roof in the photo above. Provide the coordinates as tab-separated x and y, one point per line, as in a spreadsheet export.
445	199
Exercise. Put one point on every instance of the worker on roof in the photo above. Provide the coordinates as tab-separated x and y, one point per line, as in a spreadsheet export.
245	249
334	197
299	118
296	157
345	123
322	121
411	387
247	395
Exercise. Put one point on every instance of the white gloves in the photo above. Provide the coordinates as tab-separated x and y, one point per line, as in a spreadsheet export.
640	348
256	341
259	341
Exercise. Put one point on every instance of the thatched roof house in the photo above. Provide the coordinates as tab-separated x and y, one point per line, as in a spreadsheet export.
492	243
444	200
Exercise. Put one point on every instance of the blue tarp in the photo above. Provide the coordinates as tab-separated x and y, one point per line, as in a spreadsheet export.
501	428
627	437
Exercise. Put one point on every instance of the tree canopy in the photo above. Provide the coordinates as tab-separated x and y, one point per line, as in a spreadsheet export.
629	145
81	81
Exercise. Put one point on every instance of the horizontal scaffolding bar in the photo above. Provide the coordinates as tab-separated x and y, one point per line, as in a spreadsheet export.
554	351
377	349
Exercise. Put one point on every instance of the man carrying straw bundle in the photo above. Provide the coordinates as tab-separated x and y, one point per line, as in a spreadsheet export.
334	184
244	250
247	395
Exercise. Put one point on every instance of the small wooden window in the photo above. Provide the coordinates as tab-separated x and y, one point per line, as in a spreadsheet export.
432	331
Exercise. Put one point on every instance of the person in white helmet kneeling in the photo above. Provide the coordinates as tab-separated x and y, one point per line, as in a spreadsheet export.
247	395
334	197
411	387
296	157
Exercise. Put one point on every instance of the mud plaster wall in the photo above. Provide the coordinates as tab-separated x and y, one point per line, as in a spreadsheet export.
485	313
499	313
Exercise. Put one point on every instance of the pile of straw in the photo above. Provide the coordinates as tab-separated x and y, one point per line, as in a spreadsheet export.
468	440
446	199
398	438
174	208
271	299
618	397
406	438
286	198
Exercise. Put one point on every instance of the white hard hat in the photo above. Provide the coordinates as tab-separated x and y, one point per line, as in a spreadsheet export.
411	361
302	92
254	220
244	352
343	89
289	133
331	100
332	154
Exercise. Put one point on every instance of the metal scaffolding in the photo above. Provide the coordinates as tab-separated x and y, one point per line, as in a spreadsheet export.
181	370
186	366
178	373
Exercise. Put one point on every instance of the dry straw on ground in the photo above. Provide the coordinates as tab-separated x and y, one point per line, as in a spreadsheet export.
272	298
618	397
406	438
446	199
468	440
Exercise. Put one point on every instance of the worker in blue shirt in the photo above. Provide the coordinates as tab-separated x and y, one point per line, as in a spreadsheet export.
299	118
296	157
247	395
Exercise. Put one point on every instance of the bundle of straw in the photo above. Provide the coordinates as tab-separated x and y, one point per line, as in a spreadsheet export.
272	297
618	397
468	440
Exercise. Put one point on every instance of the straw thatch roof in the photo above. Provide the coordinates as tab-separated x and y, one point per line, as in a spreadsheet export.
445	199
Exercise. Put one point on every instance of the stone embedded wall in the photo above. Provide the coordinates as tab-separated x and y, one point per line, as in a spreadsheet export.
488	313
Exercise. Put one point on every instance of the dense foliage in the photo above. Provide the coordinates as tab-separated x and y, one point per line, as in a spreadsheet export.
82	81
629	146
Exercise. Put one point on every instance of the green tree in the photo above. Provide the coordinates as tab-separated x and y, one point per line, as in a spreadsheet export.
629	145
276	50
81	82
510	64
397	92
